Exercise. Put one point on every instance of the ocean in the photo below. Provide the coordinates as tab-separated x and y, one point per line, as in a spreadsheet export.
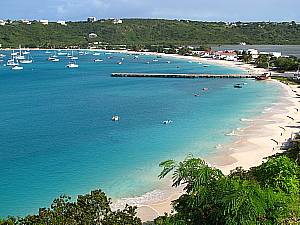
57	135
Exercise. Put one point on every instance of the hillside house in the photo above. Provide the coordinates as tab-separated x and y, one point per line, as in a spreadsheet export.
91	19
45	22
2	22
62	22
92	35
26	21
117	21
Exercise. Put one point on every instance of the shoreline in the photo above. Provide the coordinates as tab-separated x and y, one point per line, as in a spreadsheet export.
267	135
271	131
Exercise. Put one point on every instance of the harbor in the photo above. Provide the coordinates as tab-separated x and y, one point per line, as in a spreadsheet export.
183	75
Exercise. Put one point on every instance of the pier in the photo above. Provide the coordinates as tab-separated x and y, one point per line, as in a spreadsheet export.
183	75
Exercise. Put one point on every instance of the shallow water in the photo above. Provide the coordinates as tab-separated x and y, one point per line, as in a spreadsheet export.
58	137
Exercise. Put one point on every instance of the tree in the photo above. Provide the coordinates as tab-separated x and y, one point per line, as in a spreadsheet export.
127	216
278	173
246	57
286	64
213	198
93	208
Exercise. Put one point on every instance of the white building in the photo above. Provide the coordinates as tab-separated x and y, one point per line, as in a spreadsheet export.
45	22
252	51
275	54
92	35
2	22
62	22
91	19
117	21
229	56
26	21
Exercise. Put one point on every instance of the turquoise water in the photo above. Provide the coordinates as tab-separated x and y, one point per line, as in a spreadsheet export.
57	136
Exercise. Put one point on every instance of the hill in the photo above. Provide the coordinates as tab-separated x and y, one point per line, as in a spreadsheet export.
143	32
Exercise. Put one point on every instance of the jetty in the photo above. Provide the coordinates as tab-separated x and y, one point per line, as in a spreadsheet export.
163	75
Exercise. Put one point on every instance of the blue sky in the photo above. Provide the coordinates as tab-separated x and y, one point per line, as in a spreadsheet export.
200	10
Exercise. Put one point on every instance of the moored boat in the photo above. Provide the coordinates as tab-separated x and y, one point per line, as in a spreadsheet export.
17	67
72	64
264	76
238	86
167	121
115	118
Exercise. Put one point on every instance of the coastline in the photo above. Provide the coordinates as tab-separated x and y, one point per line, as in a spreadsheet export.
266	136
263	137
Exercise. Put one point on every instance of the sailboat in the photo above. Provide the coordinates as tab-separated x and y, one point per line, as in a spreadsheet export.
20	55
12	61
28	59
71	56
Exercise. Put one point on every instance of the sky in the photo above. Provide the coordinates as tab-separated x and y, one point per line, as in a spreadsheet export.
197	10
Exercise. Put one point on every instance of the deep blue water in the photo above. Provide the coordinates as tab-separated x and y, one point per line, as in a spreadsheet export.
57	136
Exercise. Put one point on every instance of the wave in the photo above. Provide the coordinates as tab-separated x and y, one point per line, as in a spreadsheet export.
153	197
248	120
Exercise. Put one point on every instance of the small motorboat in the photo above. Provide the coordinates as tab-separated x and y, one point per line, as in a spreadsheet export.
197	94
167	121
205	88
119	62
115	118
17	67
238	86
206	65
72	64
98	60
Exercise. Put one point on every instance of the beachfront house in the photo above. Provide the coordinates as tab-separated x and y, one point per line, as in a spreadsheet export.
229	56
275	54
203	54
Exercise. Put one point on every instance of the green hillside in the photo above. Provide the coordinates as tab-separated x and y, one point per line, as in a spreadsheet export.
143	32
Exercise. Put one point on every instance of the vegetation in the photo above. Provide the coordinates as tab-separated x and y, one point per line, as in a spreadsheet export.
137	33
88	209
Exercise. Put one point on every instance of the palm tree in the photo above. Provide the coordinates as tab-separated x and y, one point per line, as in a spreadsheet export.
213	198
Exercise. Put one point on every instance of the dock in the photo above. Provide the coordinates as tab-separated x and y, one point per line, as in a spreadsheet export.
183	75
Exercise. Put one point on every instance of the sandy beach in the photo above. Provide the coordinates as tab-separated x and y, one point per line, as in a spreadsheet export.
263	137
